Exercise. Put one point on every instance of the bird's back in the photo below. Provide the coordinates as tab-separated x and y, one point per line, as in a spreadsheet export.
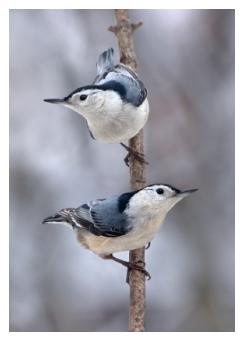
107	71
105	216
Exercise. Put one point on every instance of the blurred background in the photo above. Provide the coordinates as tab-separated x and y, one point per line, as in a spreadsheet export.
186	60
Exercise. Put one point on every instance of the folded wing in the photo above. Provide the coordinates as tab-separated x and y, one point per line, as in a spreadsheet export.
102	218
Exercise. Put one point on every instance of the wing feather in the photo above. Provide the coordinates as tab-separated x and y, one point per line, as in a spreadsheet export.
92	217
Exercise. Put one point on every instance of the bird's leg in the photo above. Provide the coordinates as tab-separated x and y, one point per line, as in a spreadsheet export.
137	155
129	265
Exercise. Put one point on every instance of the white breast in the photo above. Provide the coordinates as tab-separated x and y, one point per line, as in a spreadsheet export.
116	122
139	236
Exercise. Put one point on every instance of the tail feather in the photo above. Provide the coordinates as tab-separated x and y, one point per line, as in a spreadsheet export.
105	61
63	216
54	219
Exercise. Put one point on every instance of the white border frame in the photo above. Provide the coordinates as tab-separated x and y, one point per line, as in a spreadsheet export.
4	91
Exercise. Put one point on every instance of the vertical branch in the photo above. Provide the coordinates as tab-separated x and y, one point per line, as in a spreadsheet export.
124	31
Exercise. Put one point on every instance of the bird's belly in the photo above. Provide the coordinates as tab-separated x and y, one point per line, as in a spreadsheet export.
115	127
136	238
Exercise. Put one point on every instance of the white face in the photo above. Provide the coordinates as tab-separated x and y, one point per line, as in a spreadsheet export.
86	101
156	198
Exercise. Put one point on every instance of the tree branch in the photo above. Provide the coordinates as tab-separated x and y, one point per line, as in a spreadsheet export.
124	31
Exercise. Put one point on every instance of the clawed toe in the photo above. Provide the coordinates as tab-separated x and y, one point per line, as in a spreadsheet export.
138	268
137	156
126	160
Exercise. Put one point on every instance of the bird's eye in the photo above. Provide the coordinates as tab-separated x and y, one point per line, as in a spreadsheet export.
83	97
160	191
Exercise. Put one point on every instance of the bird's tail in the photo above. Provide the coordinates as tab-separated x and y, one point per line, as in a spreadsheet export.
60	217
53	219
105	61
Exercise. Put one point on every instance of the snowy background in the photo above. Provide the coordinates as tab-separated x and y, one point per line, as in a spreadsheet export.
186	60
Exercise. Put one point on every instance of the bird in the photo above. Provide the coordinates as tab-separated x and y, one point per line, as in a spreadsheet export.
115	105
121	222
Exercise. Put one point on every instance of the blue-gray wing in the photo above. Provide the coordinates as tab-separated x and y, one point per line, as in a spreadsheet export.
107	73
102	217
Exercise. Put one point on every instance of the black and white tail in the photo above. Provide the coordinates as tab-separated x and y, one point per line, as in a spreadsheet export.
54	219
61	217
105	61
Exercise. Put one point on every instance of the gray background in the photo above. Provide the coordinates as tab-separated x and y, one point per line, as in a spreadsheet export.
186	60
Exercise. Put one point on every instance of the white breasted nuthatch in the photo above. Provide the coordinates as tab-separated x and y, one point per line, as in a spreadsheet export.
121	223
115	105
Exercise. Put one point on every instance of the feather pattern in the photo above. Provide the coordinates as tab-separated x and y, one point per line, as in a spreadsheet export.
123	76
102	217
105	62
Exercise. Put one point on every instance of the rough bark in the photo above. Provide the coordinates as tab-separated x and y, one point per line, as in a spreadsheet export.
124	32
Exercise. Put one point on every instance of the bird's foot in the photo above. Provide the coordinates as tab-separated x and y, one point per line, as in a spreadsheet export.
137	267
148	245
137	155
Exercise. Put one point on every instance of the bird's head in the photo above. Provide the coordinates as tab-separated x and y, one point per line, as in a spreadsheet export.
158	198
90	100
85	100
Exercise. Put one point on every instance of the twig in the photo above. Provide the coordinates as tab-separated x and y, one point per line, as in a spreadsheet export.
124	31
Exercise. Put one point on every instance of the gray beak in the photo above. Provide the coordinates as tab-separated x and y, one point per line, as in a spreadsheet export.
58	101
185	193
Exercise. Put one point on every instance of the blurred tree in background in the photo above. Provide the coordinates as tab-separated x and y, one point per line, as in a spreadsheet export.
186	59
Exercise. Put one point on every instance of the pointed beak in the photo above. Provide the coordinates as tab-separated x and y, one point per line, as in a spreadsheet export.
185	193
58	101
